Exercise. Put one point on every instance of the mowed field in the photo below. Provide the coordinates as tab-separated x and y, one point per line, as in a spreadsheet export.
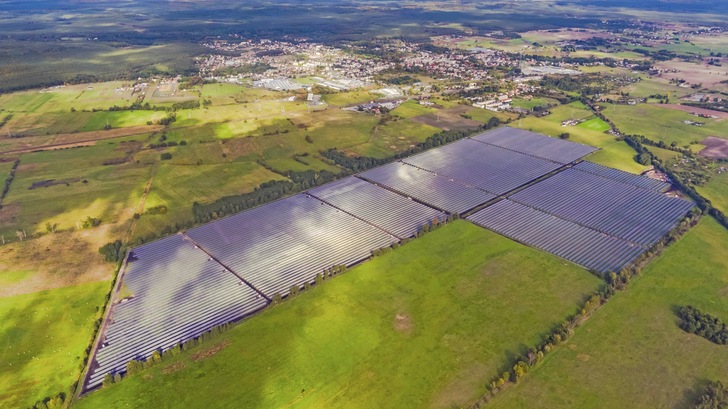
631	353
42	339
424	326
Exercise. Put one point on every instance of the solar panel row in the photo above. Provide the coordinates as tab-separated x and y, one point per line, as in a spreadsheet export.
534	144
434	190
390	211
178	294
581	245
487	167
634	214
624	177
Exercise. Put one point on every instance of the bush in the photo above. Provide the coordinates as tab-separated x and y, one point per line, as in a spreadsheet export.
165	156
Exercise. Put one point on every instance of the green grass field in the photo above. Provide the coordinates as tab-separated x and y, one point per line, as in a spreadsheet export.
595	124
394	137
716	191
42	339
424	326
663	124
631	353
411	108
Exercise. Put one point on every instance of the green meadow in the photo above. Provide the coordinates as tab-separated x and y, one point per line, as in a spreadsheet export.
42	339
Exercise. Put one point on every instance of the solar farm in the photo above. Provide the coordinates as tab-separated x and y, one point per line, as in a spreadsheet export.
529	187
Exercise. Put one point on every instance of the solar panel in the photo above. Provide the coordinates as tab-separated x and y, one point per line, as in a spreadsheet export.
289	241
178	294
486	167
615	208
434	190
624	177
393	213
581	245
535	144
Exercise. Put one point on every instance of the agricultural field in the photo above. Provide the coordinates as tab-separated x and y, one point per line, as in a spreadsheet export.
632	353
64	187
176	187
42	339
393	137
716	190
663	124
369	331
656	86
532	103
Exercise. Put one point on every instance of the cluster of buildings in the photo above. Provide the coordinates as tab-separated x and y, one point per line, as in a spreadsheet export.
271	61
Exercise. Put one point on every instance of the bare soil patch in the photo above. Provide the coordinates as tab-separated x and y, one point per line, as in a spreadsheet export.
56	260
709	76
73	140
448	119
715	148
177	366
689	109
200	355
403	323
9	214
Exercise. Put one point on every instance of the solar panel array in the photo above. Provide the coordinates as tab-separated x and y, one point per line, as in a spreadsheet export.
624	177
434	190
534	144
178	294
288	242
216	273
394	213
581	245
615	208
487	167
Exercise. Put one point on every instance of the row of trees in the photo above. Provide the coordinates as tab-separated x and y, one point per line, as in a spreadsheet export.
697	322
264	193
8	181
137	365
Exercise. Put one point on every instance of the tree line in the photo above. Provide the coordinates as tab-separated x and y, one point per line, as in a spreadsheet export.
264	193
697	322
8	181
